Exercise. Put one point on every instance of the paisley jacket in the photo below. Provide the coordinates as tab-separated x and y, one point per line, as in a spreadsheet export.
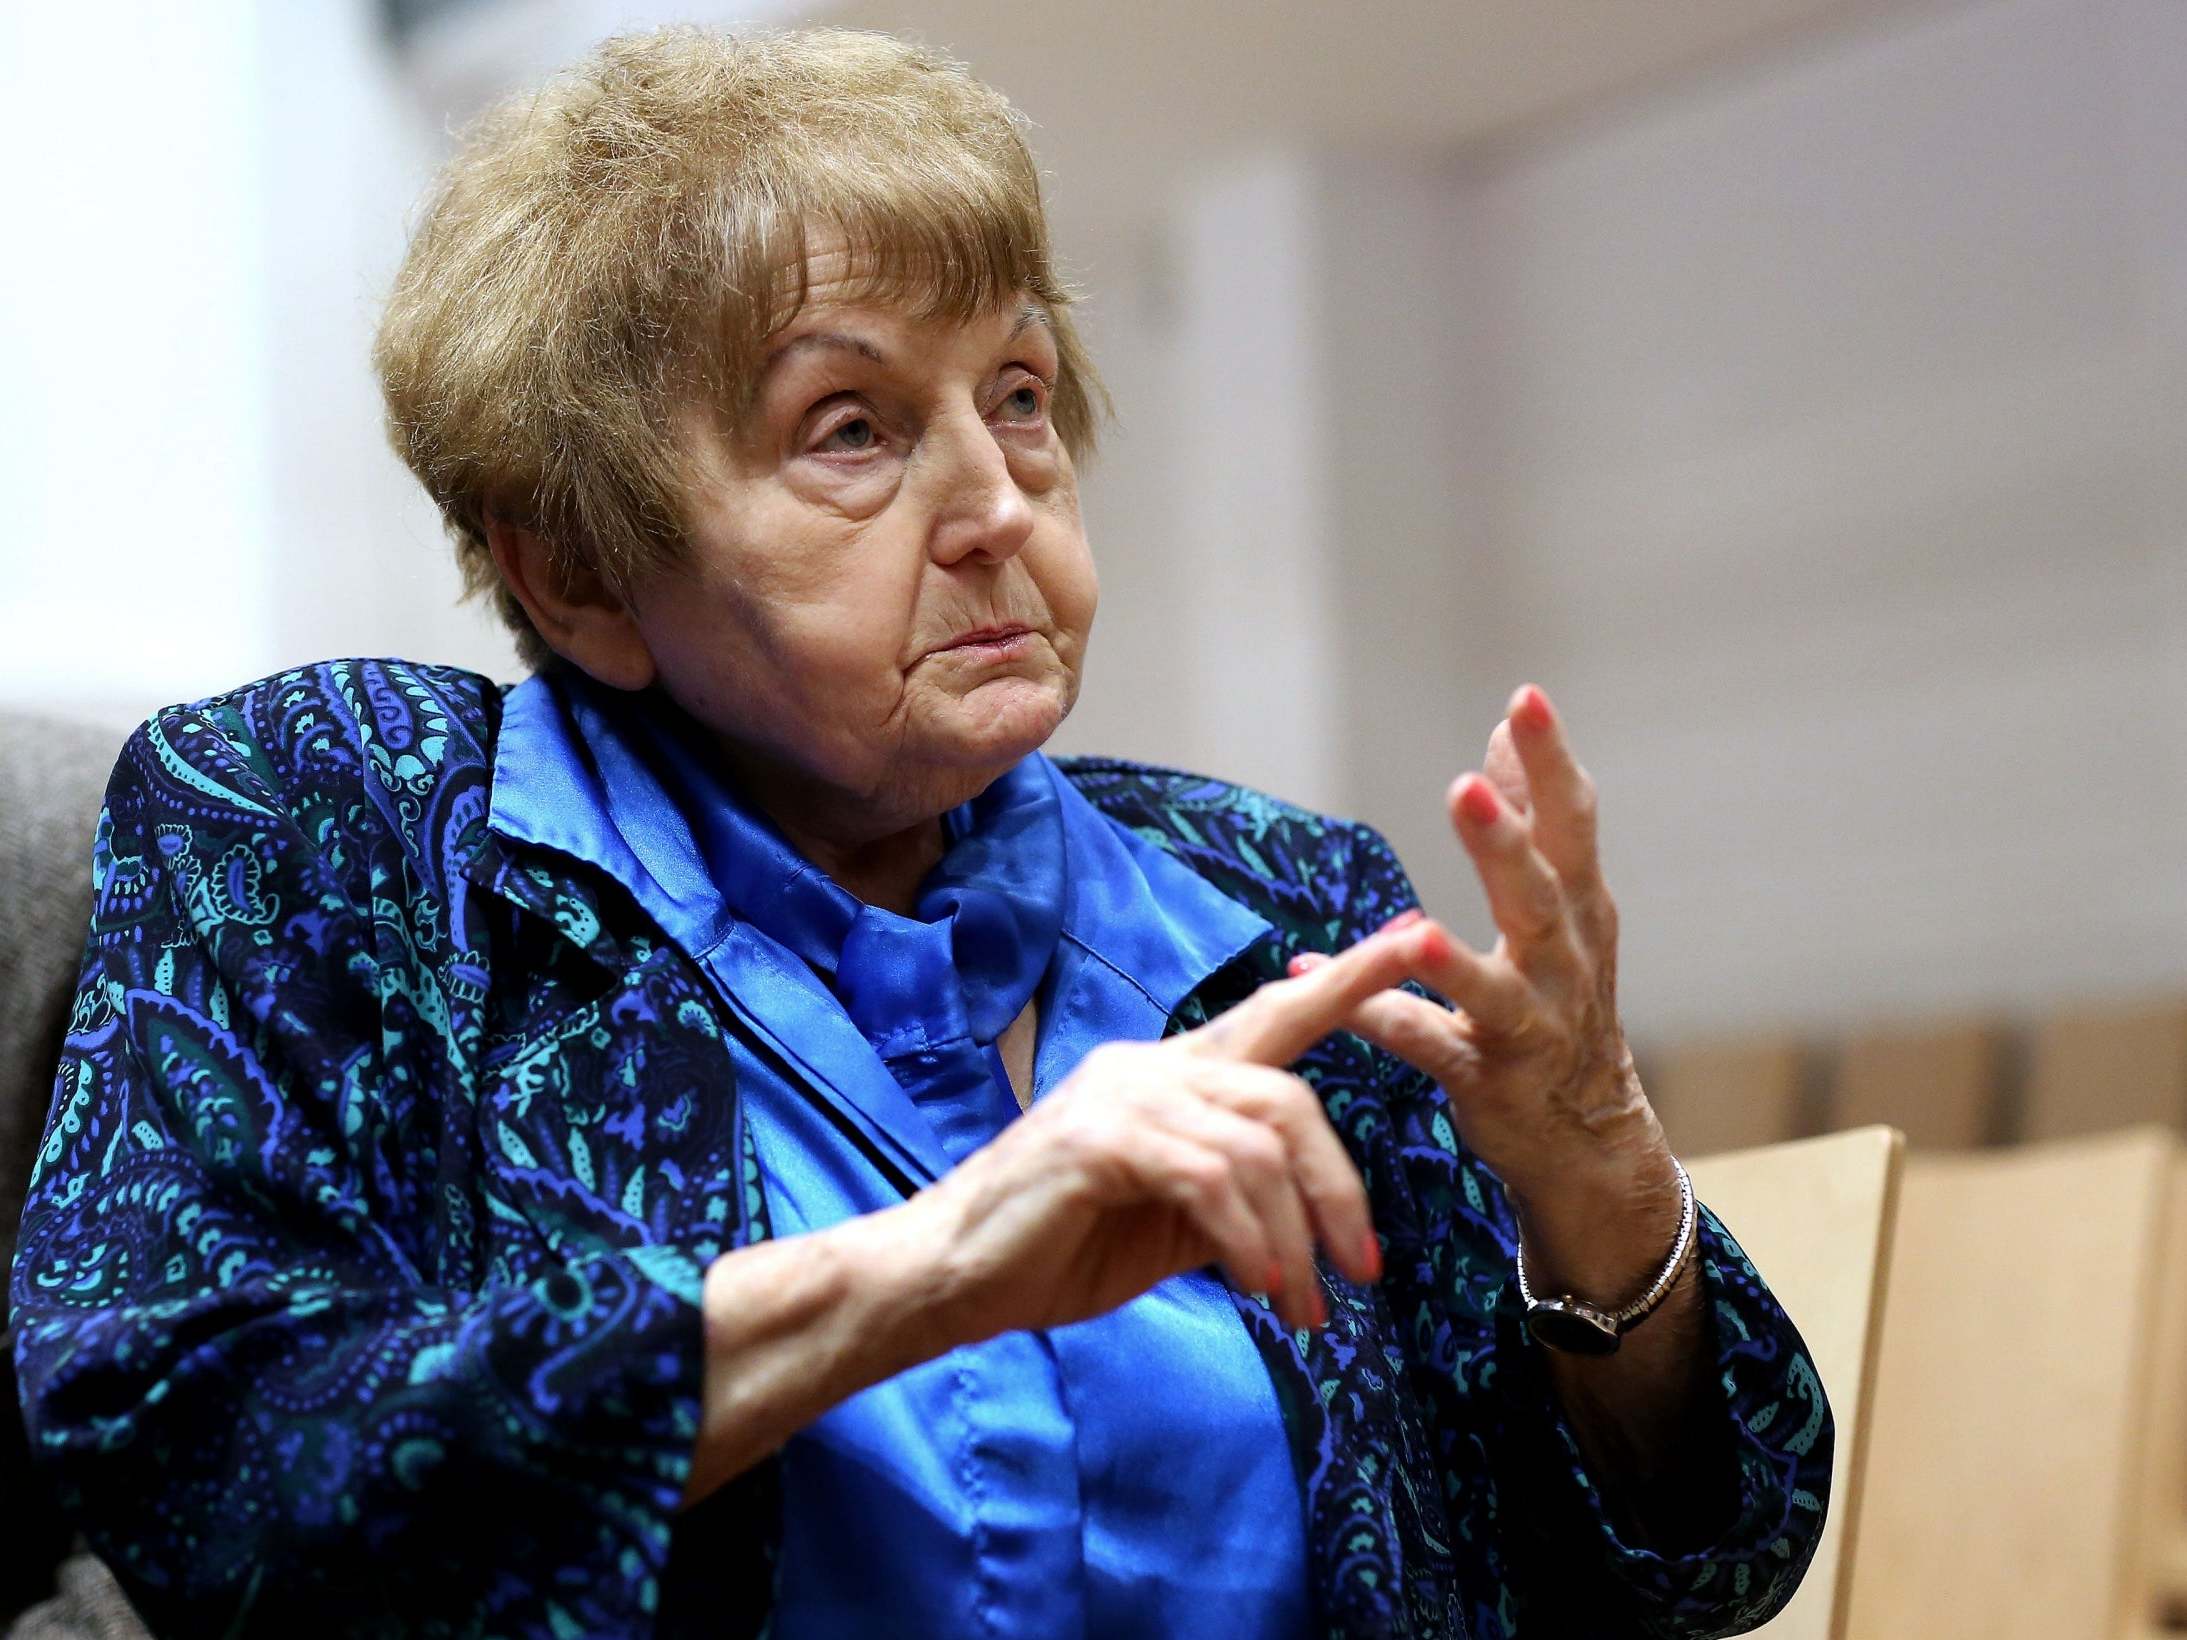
357	1291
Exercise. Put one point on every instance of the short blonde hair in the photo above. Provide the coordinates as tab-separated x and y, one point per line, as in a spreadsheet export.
604	250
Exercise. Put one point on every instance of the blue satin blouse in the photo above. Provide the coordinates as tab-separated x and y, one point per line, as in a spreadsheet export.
1127	1475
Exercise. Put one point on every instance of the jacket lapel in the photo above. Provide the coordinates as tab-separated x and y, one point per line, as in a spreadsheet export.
783	1006
566	784
567	789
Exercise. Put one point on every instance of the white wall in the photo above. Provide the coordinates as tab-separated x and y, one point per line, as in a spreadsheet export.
199	491
1814	429
1816	432
1841	486
1294	592
1209	507
133	438
1427	659
361	564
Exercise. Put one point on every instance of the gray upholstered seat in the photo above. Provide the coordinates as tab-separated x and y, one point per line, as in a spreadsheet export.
52	774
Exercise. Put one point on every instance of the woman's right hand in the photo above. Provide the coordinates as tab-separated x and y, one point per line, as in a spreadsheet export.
1157	1157
1150	1158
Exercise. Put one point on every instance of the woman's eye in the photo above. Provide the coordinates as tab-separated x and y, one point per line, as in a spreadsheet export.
1022	403
856	434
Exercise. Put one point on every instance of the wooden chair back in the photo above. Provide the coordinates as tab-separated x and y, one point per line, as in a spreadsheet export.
2009	1435
2157	1568
1816	1217
1937	1083
1731	1093
2100	1067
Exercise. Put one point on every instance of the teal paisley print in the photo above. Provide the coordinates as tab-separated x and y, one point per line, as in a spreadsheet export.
358	1287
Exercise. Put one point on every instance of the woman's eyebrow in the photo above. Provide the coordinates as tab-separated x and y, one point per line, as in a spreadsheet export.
1031	314
824	339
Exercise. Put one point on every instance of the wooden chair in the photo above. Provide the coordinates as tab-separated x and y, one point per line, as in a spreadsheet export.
1937	1083
1816	1217
2157	1569
1732	1093
2100	1067
2012	1430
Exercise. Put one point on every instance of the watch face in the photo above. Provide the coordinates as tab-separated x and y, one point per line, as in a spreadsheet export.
1564	1324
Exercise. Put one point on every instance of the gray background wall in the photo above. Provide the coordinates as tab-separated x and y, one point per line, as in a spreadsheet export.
1796	391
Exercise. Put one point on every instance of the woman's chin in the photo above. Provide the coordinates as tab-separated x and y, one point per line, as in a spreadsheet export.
1006	719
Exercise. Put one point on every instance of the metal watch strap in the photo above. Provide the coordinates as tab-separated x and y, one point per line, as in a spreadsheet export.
1570	1323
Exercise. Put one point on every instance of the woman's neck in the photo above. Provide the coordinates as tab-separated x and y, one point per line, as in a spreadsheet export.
884	871
876	846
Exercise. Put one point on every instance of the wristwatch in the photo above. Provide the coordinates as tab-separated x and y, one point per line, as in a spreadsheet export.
1572	1324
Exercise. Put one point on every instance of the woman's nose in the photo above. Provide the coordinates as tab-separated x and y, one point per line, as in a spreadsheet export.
979	508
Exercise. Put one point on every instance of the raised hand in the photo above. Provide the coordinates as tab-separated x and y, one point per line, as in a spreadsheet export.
1533	1057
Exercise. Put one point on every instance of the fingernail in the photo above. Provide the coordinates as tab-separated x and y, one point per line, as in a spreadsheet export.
1434	945
1274	1284
1321	1310
1404	919
1531	705
1479	803
1371	1256
1307	961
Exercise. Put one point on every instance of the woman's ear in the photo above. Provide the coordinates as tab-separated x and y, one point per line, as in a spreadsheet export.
579	617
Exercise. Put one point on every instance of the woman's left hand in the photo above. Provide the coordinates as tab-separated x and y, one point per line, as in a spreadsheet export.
1533	1058
1534	1063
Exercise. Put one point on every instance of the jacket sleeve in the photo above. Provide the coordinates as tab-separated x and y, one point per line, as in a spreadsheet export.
260	1380
1515	1480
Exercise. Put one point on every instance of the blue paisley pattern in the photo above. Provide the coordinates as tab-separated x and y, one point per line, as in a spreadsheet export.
359	1281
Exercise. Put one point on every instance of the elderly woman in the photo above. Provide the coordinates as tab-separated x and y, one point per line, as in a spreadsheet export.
727	1133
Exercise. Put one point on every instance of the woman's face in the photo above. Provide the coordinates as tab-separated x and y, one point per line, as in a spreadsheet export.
888	592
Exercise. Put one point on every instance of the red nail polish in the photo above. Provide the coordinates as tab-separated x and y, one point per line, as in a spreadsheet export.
1274	1283
1479	803
1435	946
1298	964
1531	706
1371	1254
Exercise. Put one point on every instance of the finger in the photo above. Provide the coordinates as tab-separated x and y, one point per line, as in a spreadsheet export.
1503	767
1427	1037
1283	1019
1493	993
1260	1165
1199	1183
1493	998
1321	1169
1525	895
1563	793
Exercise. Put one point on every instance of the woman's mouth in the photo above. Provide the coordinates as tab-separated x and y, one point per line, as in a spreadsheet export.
989	643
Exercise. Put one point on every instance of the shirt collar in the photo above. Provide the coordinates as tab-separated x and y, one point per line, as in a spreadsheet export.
566	778
1140	910
571	776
